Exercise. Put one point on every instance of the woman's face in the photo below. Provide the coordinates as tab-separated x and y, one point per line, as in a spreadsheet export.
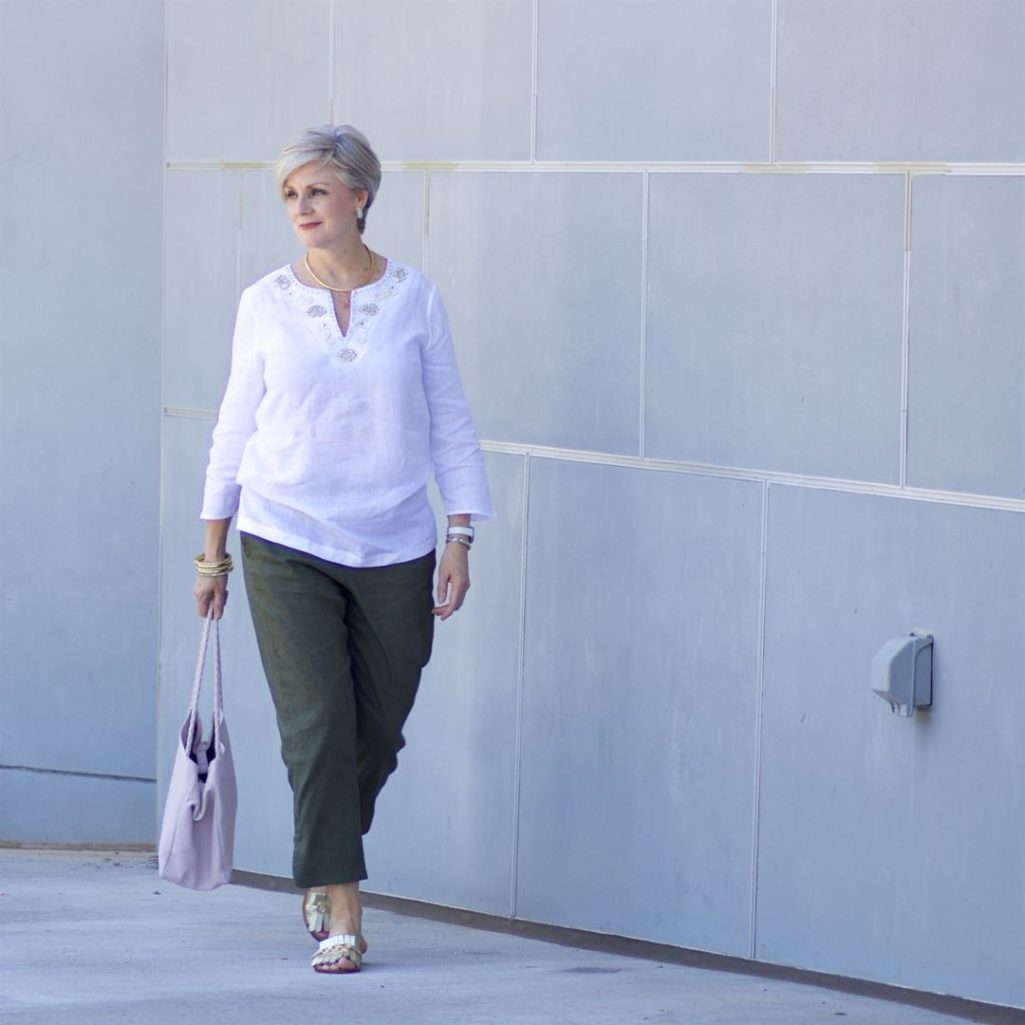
322	208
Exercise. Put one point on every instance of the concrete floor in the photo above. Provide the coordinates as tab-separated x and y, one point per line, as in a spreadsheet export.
91	938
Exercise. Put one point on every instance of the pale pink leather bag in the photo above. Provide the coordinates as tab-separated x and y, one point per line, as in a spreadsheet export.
197	837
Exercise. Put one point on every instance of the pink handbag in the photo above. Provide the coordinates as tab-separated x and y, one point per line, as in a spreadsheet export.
197	836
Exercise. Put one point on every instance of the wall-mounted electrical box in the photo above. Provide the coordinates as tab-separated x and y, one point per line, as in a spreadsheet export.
902	673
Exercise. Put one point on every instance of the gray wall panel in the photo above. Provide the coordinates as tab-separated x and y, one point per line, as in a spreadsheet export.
436	79
626	777
79	392
51	808
444	827
266	239
967	334
640	671
243	76
902	841
201	211
661	80
547	340
913	80
774	322
397	225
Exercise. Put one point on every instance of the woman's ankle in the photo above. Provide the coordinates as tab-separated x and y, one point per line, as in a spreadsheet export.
346	909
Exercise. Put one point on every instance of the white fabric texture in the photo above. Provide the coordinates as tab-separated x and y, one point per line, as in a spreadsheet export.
326	442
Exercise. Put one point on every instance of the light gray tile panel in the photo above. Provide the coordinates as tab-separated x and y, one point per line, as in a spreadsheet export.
641	655
266	237
244	76
774	322
263	835
889	846
660	80
453	791
397	221
914	80
966	403
436	79
52	808
201	215
541	276
79	384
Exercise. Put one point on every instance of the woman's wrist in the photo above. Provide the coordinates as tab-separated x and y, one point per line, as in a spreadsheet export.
206	567
459	530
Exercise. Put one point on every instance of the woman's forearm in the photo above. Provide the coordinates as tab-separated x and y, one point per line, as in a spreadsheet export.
216	539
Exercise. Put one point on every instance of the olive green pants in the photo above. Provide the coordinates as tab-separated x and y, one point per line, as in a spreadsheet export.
342	649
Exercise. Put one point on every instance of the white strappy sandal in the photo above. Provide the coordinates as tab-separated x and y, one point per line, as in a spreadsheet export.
334	951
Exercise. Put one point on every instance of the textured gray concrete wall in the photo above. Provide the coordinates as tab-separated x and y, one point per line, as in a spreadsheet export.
737	294
81	127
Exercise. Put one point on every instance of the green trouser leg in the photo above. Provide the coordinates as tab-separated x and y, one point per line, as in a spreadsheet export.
342	649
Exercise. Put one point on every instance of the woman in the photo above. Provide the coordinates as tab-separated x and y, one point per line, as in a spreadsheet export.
343	398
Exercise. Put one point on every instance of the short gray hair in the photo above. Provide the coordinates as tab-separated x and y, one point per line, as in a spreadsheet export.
342	148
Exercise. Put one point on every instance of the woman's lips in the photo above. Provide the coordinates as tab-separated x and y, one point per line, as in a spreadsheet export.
309	226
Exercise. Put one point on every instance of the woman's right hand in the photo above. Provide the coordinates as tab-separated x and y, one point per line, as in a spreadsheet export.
210	592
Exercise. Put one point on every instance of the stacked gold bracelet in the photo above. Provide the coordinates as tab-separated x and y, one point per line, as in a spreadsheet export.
221	568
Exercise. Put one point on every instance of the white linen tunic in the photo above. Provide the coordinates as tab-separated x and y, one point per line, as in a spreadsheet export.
325	442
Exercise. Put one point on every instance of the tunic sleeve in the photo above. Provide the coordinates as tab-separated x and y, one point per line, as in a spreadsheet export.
455	451
236	420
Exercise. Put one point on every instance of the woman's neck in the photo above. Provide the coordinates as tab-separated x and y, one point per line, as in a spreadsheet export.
348	266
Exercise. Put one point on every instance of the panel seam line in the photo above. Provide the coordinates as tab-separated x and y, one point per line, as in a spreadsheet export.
905	336
756	812
535	15
642	409
773	62
110	776
521	656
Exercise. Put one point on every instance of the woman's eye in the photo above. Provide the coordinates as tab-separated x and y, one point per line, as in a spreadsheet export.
318	192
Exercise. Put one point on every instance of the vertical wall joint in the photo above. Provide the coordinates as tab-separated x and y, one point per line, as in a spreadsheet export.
756	804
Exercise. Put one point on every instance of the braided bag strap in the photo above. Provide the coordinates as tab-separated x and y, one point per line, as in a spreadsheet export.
198	680
218	686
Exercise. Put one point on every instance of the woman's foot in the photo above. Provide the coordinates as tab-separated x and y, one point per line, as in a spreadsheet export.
338	955
343	945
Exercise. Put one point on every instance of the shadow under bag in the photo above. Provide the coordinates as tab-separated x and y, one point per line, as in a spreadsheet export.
197	836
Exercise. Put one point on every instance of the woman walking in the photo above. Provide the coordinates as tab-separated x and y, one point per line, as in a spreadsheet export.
343	400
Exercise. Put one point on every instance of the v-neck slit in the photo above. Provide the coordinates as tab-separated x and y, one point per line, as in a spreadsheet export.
365	304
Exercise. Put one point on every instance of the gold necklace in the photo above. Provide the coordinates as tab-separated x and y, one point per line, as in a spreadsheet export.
331	288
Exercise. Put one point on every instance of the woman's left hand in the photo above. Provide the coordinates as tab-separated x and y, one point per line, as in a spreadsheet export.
453	579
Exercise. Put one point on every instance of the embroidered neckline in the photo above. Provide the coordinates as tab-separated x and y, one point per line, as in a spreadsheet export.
366	304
